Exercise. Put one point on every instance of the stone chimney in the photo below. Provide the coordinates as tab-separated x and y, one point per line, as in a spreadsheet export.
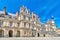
4	10
17	13
32	16
22	9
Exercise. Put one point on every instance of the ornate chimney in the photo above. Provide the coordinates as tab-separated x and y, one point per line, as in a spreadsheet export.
22	9
28	12
32	16
4	10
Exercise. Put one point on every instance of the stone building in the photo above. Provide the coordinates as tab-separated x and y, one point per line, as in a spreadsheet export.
25	24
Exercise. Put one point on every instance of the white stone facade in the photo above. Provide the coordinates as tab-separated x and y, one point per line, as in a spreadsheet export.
24	24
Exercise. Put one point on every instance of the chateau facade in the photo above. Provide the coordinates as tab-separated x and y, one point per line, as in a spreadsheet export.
25	24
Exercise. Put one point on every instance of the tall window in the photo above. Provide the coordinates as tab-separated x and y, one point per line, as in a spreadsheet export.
25	24
29	18
18	24
24	32
15	24
18	34
29	24
4	23
0	23
10	33
24	17
1	33
7	23
11	23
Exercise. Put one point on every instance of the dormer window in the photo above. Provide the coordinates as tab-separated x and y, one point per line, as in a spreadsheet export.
22	9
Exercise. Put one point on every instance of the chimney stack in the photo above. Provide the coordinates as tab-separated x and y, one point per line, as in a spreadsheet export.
4	10
32	16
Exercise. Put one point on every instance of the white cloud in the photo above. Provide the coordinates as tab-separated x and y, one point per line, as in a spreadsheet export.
1	12
11	14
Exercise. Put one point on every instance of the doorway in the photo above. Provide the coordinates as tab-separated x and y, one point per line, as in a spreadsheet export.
18	34
38	34
1	33
44	35
10	33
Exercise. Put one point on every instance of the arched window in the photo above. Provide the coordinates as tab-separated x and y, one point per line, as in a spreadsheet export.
24	24
1	33
18	34
1	23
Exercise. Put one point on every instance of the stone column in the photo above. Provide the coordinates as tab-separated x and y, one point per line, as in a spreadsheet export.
14	33
36	33
21	33
6	33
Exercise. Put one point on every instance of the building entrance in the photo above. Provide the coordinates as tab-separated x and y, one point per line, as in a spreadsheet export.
38	34
10	33
1	33
18	33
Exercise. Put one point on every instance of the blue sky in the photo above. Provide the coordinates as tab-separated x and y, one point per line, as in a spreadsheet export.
44	8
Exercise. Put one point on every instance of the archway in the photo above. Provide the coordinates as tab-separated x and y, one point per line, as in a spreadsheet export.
38	34
10	33
18	34
1	33
44	35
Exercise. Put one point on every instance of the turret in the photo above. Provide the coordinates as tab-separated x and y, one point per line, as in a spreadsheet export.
53	24
53	19
22	9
